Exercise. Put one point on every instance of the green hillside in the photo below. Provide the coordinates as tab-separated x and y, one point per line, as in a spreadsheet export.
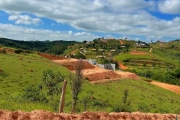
157	61
17	71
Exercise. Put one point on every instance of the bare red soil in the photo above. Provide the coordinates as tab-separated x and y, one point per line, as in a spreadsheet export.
45	115
91	72
138	53
121	42
70	64
7	50
122	66
128	75
102	76
51	57
74	51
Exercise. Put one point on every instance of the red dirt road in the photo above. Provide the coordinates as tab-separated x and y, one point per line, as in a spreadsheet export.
45	115
173	88
122	67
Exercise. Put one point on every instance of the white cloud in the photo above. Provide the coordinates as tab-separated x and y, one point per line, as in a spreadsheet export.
70	32
24	19
125	17
82	34
169	6
23	33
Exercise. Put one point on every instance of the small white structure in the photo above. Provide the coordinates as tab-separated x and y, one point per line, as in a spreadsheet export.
92	61
113	50
107	66
102	50
100	56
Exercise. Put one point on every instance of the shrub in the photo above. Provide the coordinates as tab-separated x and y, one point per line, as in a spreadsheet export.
79	56
50	86
126	104
116	109
2	51
18	51
126	60
32	93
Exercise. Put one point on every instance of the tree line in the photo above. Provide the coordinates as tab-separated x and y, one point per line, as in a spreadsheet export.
54	47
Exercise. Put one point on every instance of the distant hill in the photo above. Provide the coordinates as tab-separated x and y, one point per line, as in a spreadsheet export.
54	47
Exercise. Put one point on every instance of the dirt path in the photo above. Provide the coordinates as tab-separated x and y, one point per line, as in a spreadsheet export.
104	80
45	115
122	66
121	42
73	52
150	50
173	88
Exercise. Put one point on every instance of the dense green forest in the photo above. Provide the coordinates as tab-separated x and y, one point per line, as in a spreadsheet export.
54	47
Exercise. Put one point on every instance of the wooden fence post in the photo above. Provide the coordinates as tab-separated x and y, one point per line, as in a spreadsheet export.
61	104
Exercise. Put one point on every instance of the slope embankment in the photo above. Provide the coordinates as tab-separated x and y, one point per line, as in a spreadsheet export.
45	115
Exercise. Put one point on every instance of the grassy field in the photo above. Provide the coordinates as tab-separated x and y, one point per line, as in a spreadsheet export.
161	64
21	70
124	56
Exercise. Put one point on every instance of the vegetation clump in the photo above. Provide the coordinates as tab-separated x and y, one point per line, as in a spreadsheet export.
45	92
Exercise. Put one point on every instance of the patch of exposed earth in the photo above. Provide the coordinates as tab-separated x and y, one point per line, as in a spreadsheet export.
94	73
138	53
45	115
70	64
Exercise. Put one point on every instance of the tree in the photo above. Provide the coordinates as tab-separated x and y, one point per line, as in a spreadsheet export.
51	81
84	41
126	103
50	86
76	83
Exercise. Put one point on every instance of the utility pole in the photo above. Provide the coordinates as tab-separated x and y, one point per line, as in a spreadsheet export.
33	45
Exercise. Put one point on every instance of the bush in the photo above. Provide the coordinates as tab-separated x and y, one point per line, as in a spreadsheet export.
18	51
33	93
45	92
3	51
116	109
126	60
79	56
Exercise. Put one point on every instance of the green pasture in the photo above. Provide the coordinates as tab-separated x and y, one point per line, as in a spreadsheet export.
22	70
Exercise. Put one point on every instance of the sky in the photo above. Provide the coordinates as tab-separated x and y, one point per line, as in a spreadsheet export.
80	20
